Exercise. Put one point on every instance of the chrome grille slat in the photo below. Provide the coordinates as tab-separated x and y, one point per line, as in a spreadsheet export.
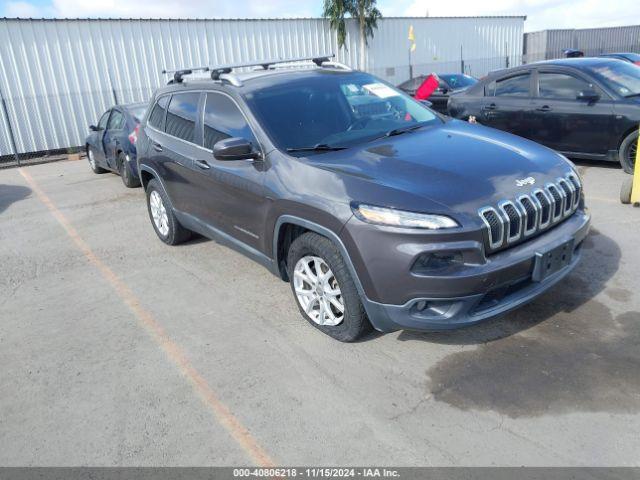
545	203
557	201
513	220
531	213
495	225
568	190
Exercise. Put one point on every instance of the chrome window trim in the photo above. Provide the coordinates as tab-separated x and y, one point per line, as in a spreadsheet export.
208	150
550	200
493	244
191	144
533	229
219	92
502	206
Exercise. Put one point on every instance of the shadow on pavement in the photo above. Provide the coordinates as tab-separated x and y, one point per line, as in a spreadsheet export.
12	193
564	352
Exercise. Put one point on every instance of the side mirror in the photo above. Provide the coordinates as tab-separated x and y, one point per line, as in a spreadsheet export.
235	148
93	128
426	103
588	96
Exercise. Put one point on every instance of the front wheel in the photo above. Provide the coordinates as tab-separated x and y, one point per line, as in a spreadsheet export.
324	290
162	217
93	163
628	151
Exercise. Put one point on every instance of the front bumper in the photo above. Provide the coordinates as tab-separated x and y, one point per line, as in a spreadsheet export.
502	284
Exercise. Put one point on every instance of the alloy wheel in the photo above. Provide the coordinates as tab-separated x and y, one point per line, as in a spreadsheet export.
92	159
317	291
159	213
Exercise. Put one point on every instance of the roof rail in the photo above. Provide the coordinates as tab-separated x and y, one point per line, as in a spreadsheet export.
224	72
179	74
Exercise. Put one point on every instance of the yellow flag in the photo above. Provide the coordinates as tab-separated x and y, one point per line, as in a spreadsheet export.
412	38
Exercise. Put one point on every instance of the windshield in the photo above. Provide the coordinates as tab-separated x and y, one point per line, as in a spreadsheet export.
458	81
623	77
138	112
334	111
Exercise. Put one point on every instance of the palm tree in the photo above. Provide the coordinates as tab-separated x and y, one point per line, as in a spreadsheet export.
366	14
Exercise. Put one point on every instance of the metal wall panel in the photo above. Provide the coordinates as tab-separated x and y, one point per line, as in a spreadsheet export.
549	44
58	76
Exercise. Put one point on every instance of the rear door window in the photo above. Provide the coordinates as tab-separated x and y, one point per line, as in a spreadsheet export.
182	114
517	86
561	86
223	119
158	114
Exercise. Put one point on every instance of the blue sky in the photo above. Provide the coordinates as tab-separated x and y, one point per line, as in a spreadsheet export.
541	13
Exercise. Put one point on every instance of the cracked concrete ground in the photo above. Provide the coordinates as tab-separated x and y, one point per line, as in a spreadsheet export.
83	383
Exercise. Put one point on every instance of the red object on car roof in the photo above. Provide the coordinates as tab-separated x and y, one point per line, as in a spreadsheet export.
427	87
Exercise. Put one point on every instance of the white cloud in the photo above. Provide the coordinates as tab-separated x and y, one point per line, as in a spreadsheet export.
22	10
184	9
541	14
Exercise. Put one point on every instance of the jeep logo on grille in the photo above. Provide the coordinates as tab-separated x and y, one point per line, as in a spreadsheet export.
525	181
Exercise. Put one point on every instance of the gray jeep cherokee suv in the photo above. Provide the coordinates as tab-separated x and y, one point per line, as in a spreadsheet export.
377	210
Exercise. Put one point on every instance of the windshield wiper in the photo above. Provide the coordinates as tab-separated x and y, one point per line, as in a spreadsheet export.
321	147
401	130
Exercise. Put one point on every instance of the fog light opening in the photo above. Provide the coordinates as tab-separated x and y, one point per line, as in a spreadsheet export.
421	305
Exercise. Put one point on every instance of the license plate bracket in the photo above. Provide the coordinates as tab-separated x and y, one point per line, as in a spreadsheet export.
551	261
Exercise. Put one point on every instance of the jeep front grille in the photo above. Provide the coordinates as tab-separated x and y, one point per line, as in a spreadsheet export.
530	214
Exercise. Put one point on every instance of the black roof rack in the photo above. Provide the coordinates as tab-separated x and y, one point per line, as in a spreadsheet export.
223	72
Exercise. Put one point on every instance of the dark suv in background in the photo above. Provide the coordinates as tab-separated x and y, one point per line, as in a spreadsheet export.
583	107
377	210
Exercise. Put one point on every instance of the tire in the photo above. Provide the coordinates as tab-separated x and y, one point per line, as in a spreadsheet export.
167	226
625	190
93	163
628	151
124	169
353	321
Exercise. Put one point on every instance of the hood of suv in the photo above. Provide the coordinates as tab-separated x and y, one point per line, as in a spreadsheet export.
457	166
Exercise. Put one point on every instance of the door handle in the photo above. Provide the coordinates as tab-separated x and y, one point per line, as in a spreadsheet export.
156	146
203	165
491	106
544	108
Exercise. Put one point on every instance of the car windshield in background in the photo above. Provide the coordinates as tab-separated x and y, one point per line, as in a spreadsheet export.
138	112
623	77
459	81
328	112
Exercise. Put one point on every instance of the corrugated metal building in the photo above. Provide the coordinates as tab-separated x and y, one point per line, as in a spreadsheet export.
57	76
549	44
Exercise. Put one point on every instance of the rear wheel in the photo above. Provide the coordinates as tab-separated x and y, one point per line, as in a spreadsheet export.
628	151
124	169
162	217
324	290
93	163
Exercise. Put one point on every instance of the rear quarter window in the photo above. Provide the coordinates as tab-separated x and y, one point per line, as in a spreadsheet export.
158	114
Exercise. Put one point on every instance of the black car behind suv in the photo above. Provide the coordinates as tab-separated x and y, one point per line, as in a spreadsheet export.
377	210
583	107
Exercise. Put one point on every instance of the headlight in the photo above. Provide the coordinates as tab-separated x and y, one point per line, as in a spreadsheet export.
400	218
